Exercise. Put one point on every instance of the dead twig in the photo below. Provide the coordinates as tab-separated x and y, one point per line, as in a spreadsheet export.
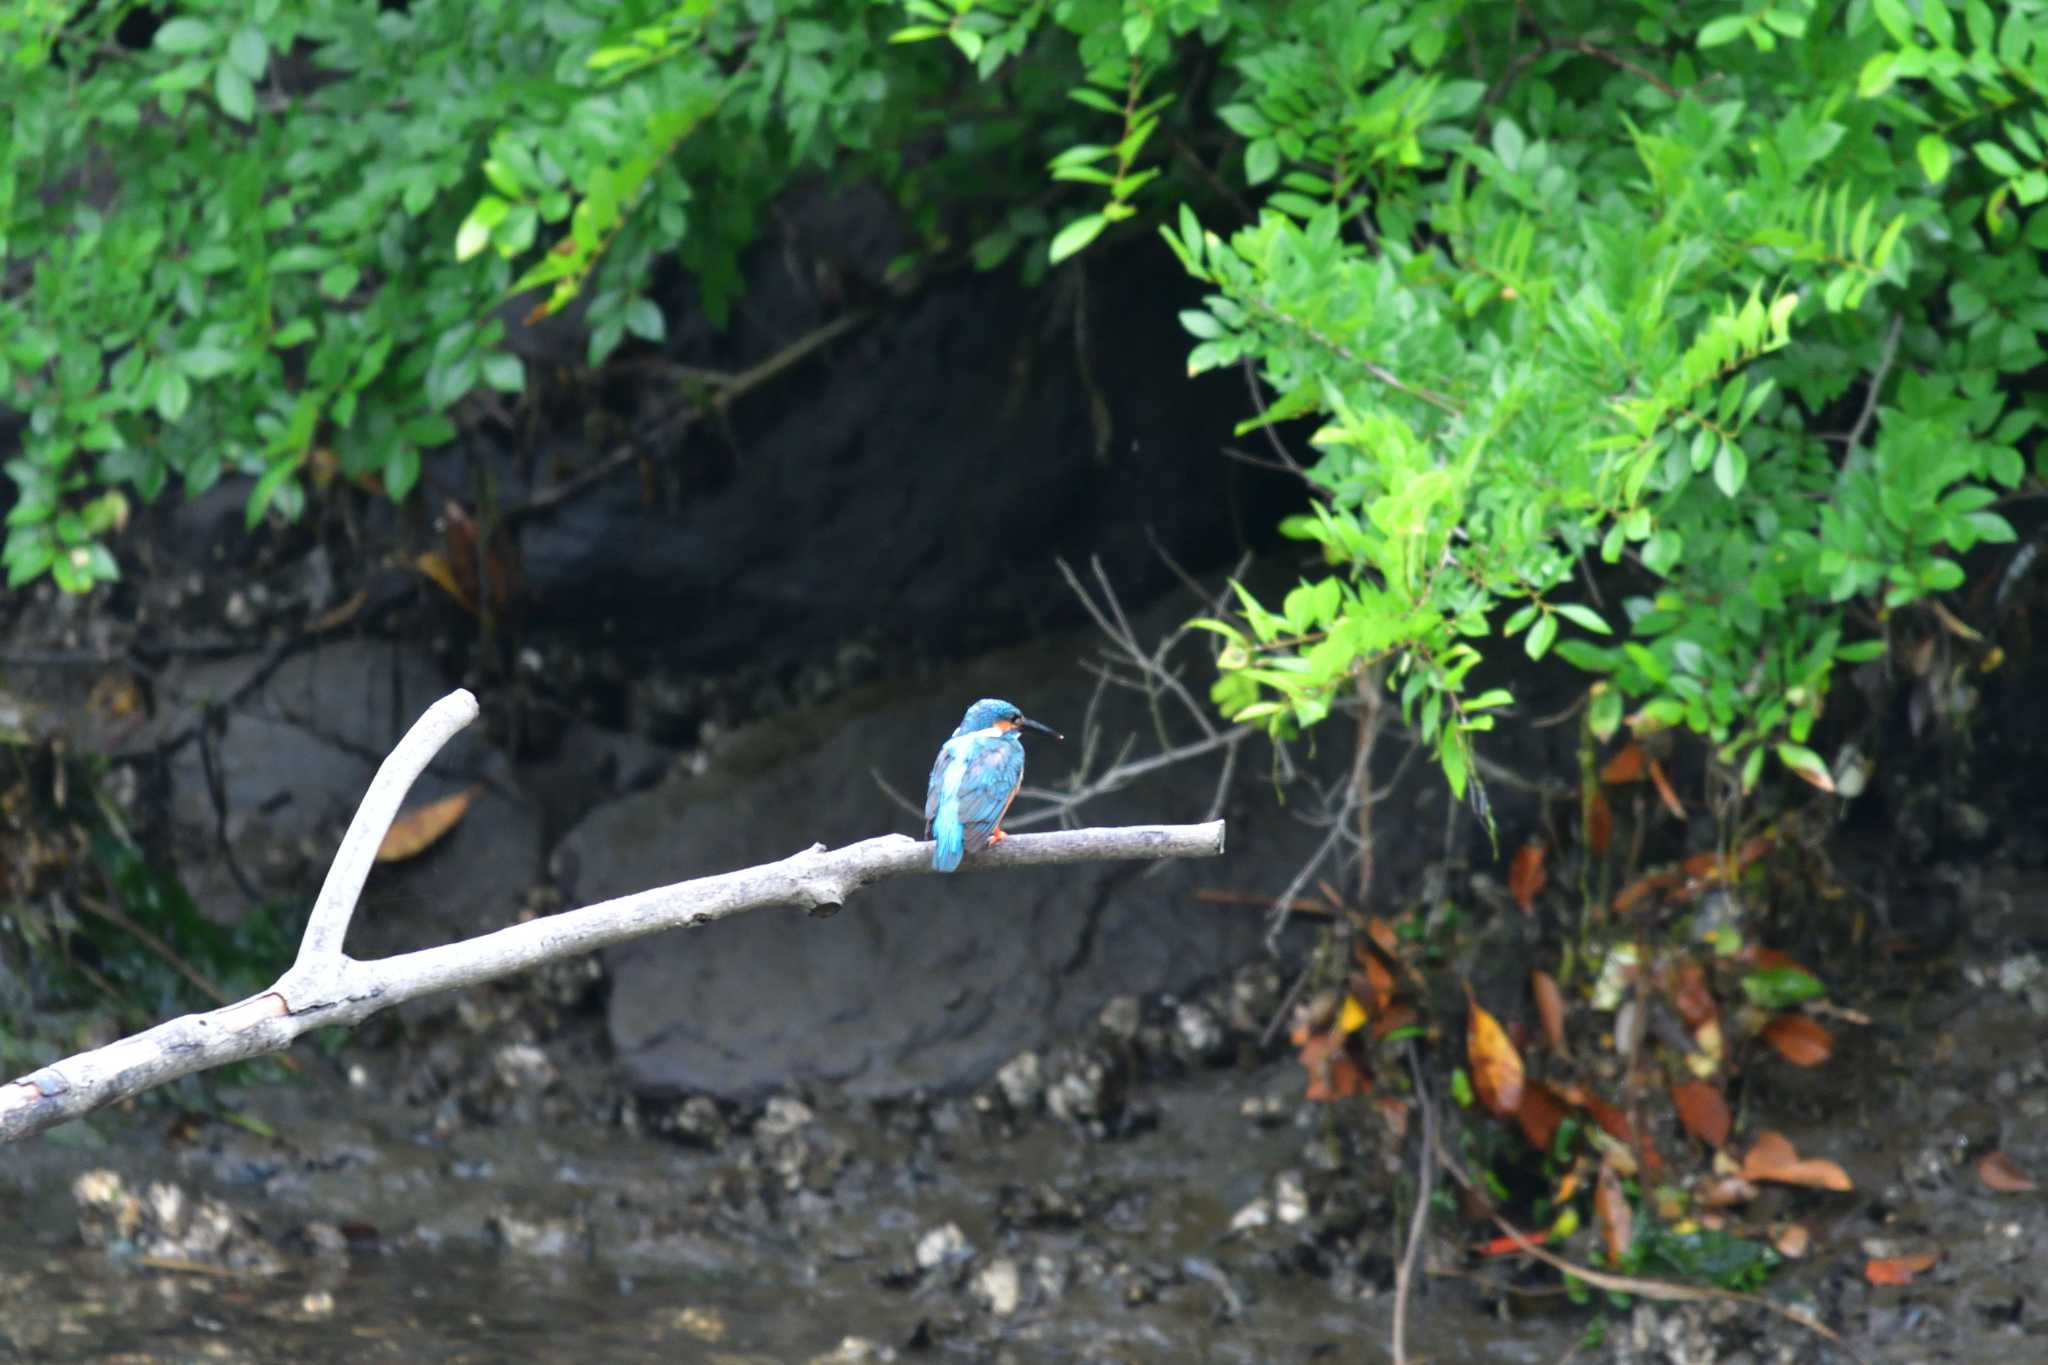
325	988
1404	1277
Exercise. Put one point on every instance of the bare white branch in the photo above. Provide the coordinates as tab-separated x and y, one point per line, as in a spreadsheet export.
325	988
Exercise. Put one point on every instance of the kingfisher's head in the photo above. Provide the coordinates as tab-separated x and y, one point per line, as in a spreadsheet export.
992	714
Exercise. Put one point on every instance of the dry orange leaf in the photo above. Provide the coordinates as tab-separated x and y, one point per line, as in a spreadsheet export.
1395	1016
418	829
1383	935
1702	1110
1628	765
1527	876
434	565
1549	1006
339	615
1541	1111
1508	1246
1332	1074
1792	1240
1617	1219
1496	1066
1998	1173
1897	1269
1642	888
1378	981
1664	791
1774	1158
1599	825
1799	1040
1690	996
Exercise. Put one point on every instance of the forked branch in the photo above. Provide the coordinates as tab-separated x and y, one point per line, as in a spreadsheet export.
325	987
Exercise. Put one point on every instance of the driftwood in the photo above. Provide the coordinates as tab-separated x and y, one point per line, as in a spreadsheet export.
324	987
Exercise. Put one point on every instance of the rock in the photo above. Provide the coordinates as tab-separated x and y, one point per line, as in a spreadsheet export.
942	1245
292	761
855	1351
165	1221
545	1237
1022	1081
1257	1214
1120	1018
1290	1197
924	983
781	1116
1085	1085
1197	1033
999	1287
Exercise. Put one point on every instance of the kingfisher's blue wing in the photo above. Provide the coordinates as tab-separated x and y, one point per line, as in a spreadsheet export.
931	790
990	783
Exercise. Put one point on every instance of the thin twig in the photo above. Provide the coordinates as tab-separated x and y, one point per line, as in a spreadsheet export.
1404	1277
1885	357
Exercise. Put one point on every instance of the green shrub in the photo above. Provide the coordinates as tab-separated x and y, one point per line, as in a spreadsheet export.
1728	292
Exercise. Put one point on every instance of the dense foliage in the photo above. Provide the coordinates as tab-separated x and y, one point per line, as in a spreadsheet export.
1731	292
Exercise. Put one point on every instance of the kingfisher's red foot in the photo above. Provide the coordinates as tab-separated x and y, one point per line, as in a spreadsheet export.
996	836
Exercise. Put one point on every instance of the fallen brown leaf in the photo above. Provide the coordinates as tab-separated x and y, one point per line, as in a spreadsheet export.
1897	1269
1792	1240
1664	791
1617	1220
1799	1040
1332	1074
1998	1173
1599	825
1549	1007
1496	1066
418	829
1774	1158
1540	1113
1627	765
1527	875
1702	1110
1690	996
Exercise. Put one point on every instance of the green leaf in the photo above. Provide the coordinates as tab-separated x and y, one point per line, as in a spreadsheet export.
248	52
1777	988
504	372
185	34
1725	29
1877	75
475	233
173	395
1075	236
205	362
236	95
1540	636
645	321
1261	161
1996	159
1584	617
1933	151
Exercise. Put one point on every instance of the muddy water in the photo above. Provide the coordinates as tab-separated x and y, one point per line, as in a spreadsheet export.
833	1231
588	1245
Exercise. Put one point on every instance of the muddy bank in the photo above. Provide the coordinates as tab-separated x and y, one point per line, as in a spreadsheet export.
1154	1187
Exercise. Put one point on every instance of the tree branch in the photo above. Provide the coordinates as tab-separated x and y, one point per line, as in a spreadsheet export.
325	988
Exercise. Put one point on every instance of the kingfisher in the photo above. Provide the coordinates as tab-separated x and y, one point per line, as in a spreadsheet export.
975	779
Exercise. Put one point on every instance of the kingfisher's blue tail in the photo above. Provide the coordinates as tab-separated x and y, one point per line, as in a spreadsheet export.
951	841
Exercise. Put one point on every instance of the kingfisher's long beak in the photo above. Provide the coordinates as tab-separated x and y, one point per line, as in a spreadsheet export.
1027	723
